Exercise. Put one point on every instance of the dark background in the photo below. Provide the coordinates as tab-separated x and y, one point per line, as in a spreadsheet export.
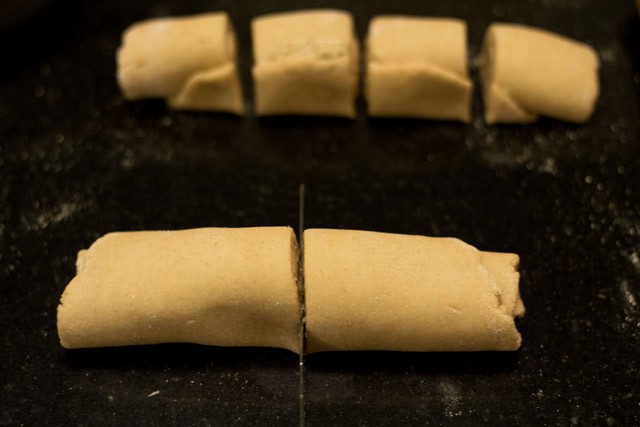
76	162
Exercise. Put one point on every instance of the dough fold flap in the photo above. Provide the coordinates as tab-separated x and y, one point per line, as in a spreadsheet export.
211	90
527	72
214	286
501	107
191	61
377	291
401	92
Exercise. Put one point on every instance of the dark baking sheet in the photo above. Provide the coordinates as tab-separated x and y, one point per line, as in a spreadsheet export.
76	161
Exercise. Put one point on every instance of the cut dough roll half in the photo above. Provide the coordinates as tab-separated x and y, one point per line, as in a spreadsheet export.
215	286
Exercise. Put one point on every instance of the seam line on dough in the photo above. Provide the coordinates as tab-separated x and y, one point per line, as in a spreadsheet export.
510	100
507	98
444	73
204	73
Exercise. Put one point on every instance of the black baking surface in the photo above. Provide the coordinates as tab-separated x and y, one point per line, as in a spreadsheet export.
76	161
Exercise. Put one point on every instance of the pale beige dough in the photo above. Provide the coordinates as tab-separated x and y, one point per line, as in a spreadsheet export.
305	63
417	67
377	291
215	286
189	61
527	72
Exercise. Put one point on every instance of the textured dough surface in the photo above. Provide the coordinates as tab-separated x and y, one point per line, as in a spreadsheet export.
305	62
215	286
527	72
377	291
417	67
190	61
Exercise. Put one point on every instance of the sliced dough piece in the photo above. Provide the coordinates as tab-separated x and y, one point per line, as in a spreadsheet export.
417	67
215	286
527	72
378	291
191	61
305	62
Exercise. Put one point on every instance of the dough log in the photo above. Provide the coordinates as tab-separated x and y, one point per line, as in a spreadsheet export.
189	61
216	286
527	72
305	63
377	291
417	67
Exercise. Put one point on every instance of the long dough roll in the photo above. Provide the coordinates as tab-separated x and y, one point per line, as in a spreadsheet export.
527	72
190	61
377	291
216	286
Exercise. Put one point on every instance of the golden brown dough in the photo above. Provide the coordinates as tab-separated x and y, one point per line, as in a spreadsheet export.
189	61
216	286
527	72
378	291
